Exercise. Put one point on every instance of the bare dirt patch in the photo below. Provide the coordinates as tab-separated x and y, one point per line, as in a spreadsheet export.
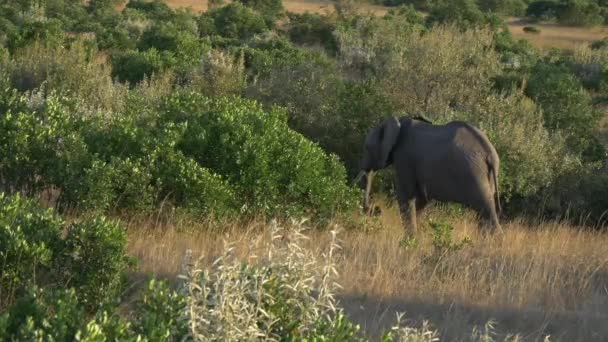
556	36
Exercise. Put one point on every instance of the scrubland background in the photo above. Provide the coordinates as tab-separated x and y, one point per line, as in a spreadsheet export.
185	170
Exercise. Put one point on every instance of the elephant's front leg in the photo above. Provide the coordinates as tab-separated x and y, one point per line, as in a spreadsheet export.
407	206
412	216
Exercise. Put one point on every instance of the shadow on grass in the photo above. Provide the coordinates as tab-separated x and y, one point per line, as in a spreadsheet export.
456	322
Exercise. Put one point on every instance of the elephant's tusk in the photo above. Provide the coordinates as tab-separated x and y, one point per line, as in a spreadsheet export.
368	189
359	176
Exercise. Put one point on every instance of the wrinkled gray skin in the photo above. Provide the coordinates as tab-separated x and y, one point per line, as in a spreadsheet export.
454	162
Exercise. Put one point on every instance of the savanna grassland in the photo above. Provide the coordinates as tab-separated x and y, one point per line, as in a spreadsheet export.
538	280
174	174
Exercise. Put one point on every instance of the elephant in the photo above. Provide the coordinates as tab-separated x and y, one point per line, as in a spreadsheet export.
454	162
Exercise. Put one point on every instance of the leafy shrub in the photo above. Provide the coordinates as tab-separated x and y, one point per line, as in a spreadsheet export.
420	5
600	44
333	112
288	293
161	313
183	45
91	257
119	184
579	196
152	9
219	74
464	13
150	171
273	168
63	71
29	238
590	66
39	147
505	7
147	156
580	13
443	240
266	54
531	29
93	261
193	187
441	71
543	9
134	66
532	158
232	21
49	31
312	29
567	12
566	105
271	9
371	43
57	316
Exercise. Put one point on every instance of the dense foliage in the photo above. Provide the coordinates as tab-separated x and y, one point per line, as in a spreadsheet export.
39	249
245	110
474	12
141	101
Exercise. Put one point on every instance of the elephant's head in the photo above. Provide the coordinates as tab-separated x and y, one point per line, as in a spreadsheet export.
377	149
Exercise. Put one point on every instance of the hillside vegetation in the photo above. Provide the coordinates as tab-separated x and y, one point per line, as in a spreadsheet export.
151	133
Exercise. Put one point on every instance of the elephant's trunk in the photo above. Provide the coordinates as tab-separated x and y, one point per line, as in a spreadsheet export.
368	188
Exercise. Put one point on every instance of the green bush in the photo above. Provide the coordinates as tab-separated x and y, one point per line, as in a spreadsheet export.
161	313
158	10
273	168
232	21
465	13
272	10
93	261
146	156
504	7
90	258
39	148
29	241
580	13
543	9
567	107
134	66
183	45
532	157
600	44
193	187
312	29
579	196
63	70
567	12
120	184
420	5
44	315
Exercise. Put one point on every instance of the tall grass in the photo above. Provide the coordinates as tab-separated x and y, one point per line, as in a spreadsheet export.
536	280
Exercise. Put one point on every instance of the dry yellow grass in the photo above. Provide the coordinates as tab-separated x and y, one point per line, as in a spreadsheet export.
537	280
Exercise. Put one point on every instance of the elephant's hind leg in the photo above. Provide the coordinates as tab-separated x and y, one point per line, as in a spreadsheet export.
486	210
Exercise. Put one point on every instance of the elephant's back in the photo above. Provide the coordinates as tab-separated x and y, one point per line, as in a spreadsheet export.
471	138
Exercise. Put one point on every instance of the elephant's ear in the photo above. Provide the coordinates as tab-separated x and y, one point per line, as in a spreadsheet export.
388	138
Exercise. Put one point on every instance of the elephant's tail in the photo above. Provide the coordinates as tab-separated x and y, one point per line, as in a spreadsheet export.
496	193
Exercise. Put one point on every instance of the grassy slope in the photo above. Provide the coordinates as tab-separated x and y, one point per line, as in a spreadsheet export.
546	279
